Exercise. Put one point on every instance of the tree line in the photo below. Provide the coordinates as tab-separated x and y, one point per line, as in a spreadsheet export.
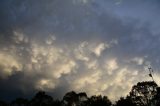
145	93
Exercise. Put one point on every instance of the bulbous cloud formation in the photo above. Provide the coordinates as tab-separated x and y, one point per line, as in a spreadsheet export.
84	45
8	65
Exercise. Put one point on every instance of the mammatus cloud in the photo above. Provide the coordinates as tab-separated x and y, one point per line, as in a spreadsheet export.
111	65
100	48
45	84
19	37
84	46
8	65
46	64
138	60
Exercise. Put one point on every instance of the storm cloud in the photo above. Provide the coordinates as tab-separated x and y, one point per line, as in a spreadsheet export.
100	47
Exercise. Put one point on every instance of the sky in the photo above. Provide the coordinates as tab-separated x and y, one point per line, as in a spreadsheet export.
93	46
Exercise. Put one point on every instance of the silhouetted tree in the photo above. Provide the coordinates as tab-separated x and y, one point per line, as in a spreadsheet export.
125	102
70	99
3	103
56	103
82	99
20	102
99	101
143	93
106	101
156	99
41	99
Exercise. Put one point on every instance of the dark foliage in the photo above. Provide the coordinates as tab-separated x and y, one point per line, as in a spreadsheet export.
3	103
20	102
41	99
142	94
125	102
99	101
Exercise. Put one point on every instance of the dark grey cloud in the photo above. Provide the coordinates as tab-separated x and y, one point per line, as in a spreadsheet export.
82	45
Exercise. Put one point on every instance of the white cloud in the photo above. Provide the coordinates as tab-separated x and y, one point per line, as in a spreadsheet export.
111	65
78	50
64	68
85	80
82	69
100	48
8	65
50	39
46	54
82	52
138	60
120	83
93	65
20	37
45	84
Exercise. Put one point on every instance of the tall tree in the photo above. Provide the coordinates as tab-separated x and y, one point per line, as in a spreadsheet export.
20	102
143	93
125	102
41	99
70	99
99	101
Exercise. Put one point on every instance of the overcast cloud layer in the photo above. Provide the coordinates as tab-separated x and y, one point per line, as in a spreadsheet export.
96	46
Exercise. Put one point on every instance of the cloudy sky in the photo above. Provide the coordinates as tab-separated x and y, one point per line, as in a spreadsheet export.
96	46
